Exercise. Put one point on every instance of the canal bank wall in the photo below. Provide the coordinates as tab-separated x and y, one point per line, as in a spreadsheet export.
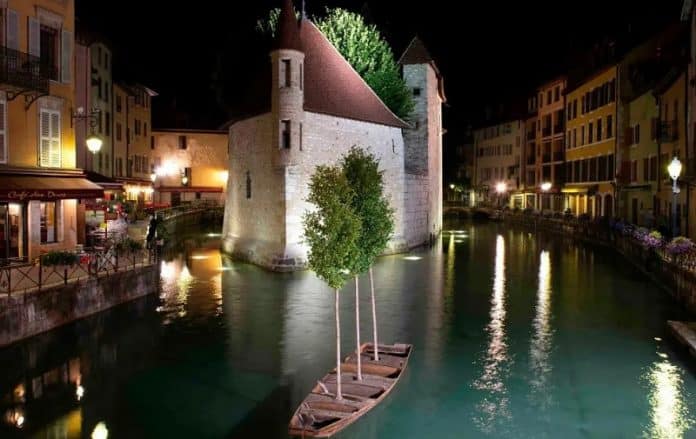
29	314
678	282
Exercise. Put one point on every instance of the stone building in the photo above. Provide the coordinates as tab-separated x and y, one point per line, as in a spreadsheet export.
498	151
317	108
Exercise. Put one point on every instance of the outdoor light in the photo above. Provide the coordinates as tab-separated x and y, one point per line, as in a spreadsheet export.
675	169
94	143
100	431
546	186
184	180
153	177
80	392
501	187
452	186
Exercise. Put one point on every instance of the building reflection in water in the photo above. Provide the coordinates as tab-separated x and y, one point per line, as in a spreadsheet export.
541	344
669	412
494	407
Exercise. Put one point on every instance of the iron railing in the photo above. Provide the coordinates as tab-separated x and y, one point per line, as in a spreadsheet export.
92	263
24	71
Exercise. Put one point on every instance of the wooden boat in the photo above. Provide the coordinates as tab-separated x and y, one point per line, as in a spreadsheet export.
321	415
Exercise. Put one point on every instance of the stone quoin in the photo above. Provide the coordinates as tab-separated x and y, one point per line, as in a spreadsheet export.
317	109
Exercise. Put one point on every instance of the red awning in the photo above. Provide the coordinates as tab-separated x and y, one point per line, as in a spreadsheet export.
18	188
216	190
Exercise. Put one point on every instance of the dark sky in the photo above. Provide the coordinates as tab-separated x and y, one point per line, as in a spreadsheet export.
487	50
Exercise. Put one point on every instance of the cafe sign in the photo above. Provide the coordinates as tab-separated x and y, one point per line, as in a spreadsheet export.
49	195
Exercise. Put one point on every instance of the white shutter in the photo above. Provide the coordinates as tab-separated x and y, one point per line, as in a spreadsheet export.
34	37
55	140
45	139
12	29
66	56
3	131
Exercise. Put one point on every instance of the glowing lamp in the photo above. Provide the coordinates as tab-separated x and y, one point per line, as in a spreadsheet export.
675	168
184	180
452	186
501	187
94	143
153	177
546	186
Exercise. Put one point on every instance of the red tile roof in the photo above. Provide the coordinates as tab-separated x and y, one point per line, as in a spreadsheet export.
288	33
333	87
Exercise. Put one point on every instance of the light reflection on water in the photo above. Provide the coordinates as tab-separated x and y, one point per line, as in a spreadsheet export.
541	344
495	405
669	417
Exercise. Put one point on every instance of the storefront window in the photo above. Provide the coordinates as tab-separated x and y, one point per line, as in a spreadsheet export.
49	215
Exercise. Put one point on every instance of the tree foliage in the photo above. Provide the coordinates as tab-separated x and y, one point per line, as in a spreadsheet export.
365	49
332	230
362	172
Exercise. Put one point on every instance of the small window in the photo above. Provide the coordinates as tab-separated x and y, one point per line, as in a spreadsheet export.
119	104
636	134
145	129
119	130
285	135
610	126
108	123
301	140
182	142
152	142
248	185
416	91
301	76
287	71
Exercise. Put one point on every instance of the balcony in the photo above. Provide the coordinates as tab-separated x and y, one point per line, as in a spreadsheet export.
21	73
669	131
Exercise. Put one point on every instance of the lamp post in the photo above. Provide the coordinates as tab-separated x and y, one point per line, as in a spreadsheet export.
545	188
94	143
500	188
674	169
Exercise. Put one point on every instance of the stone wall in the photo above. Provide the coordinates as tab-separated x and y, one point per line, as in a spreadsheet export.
25	315
416	209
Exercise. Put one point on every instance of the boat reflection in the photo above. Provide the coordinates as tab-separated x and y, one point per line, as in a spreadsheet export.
494	408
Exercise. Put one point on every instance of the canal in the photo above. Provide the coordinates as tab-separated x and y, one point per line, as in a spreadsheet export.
516	335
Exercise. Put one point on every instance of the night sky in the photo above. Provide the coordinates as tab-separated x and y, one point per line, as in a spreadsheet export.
200	58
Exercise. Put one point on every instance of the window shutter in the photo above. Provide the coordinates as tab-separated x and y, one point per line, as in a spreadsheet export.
34	37
66	56
55	140
44	139
3	132
12	29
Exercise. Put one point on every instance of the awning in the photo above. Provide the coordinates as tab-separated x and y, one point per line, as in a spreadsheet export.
216	190
15	188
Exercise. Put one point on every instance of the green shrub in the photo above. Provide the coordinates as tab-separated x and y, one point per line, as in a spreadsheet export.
57	258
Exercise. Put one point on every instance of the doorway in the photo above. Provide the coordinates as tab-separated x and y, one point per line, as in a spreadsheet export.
176	199
11	232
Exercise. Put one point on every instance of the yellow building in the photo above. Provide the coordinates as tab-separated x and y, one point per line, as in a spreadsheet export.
591	145
133	140
190	165
39	183
639	171
671	142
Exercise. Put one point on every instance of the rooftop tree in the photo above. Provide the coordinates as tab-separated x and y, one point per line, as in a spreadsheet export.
376	216
332	232
364	47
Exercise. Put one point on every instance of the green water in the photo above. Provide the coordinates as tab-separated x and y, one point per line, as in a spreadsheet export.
515	335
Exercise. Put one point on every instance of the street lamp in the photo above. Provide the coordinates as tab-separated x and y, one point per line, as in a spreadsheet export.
545	188
94	143
674	169
500	188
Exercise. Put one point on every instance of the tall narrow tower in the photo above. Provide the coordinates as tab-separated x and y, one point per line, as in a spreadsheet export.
423	143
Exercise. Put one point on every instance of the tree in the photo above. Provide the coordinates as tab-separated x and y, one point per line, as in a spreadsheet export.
332	232
377	222
365	49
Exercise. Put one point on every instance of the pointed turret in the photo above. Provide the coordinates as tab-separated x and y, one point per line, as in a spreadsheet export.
288	28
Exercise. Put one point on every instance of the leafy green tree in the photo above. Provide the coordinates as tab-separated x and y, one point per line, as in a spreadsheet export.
362	171
364	47
332	232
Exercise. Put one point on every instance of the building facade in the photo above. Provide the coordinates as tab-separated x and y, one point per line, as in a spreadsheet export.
498	155
319	107
190	165
40	186
591	145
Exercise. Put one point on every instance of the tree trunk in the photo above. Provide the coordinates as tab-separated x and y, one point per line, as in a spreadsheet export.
357	326
374	316
339	395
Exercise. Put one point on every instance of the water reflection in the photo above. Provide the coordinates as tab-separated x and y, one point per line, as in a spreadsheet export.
669	417
495	408
541	344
